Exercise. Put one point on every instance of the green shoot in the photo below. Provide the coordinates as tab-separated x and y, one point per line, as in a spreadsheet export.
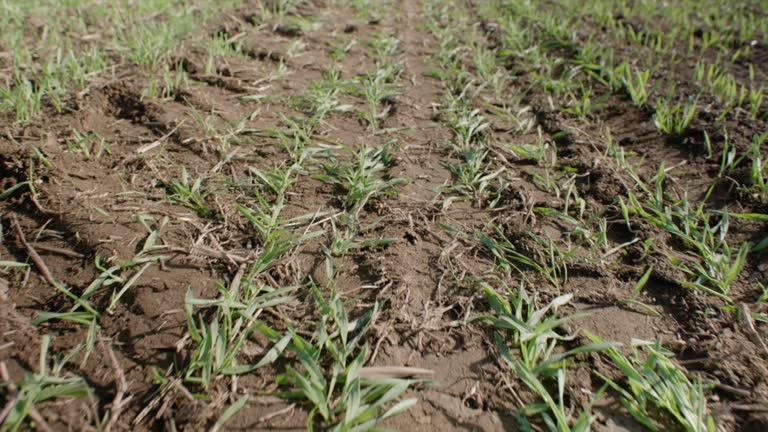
45	385
364	178
674	119
657	389
341	399
188	194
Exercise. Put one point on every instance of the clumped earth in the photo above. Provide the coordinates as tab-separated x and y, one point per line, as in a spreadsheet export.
418	215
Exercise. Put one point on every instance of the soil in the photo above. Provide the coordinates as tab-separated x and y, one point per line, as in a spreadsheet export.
86	208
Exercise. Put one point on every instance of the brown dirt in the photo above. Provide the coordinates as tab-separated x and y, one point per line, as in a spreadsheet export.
88	208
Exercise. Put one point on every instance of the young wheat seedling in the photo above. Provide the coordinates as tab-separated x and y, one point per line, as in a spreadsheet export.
657	390
363	179
341	397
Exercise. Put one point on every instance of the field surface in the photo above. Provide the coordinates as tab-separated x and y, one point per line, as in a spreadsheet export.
352	215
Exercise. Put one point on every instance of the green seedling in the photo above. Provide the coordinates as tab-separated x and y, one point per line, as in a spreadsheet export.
220	46
189	194
518	322
83	144
364	178
637	289
467	126
47	384
339	51
758	173
218	343
548	77
471	175
527	327
543	153
582	105
22	98
276	234
515	112
229	413
728	159
149	45
487	69
509	258
657	392
377	89
636	84
346	235
756	96
381	48
719	264
297	138
222	136
322	96
280	8
64	57
83	312
551	407
370	10
13	189
277	237
174	81
674	119
340	396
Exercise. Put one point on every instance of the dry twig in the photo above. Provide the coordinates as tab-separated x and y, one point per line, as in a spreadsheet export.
33	255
